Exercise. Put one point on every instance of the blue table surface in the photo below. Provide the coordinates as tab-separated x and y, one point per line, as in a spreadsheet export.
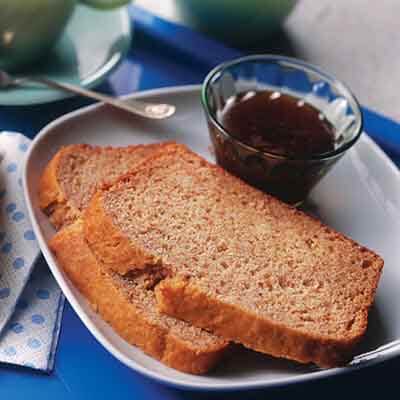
162	54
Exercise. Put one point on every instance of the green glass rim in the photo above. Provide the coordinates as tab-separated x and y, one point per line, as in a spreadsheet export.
105	4
293	63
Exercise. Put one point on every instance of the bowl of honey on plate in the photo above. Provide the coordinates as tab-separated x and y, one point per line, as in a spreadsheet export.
278	123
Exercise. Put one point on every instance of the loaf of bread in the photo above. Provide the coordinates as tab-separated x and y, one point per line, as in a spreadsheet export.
241	264
77	171
129	305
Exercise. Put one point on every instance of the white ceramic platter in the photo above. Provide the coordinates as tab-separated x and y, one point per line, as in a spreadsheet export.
360	197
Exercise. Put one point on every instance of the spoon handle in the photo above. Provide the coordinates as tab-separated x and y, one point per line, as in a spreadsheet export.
148	110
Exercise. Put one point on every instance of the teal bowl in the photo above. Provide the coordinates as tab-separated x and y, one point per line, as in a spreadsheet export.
238	22
31	28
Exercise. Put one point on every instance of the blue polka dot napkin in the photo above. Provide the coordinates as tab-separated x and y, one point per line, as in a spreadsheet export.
31	302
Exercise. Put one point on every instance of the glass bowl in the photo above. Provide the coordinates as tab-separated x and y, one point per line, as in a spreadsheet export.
286	177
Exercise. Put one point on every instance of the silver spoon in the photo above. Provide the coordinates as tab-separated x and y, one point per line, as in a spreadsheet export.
147	110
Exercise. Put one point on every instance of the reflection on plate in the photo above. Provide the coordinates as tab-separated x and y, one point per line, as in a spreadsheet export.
360	197
83	56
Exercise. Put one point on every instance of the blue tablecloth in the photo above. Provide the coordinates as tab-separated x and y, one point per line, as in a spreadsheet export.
162	54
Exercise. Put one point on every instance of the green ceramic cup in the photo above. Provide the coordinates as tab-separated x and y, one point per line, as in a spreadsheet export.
30	28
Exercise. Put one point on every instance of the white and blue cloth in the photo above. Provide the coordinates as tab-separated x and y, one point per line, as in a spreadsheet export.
31	302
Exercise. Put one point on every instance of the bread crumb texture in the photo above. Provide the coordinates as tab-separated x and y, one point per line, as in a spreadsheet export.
129	305
77	171
246	266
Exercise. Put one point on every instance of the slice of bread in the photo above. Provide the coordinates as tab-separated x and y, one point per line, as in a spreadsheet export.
242	264
129	305
77	171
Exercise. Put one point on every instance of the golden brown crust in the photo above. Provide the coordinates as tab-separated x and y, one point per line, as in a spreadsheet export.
130	323
181	299
52	199
108	243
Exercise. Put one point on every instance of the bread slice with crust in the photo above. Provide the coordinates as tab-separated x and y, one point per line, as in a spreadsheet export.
242	264
77	171
129	306
108	243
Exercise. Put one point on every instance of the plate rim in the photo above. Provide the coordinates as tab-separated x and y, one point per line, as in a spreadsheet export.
130	363
98	76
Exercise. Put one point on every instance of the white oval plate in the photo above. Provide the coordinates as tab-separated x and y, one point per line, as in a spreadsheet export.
360	197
